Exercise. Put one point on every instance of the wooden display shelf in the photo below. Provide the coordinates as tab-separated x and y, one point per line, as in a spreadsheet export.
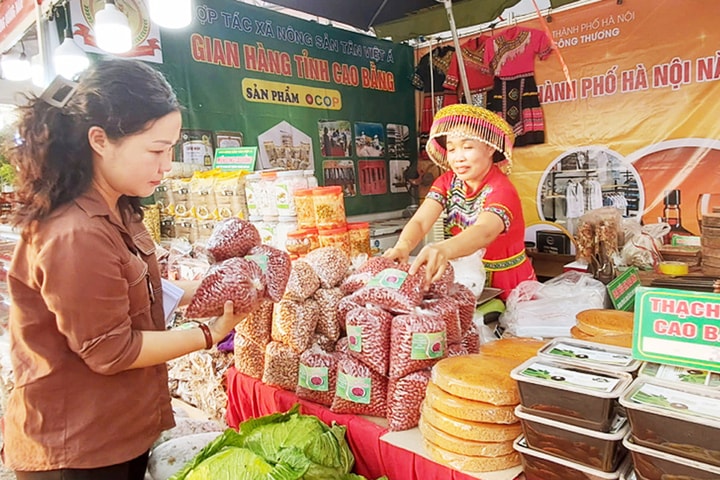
548	265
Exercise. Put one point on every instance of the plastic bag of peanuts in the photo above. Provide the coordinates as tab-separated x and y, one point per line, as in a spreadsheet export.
405	395
281	366
294	323
360	391
317	375
418	342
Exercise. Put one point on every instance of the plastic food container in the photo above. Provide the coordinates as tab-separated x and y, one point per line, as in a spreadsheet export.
603	451
329	206
681	375
580	352
574	394
304	208
675	418
359	233
336	237
266	199
539	465
252	194
297	243
651	464
628	472
286	183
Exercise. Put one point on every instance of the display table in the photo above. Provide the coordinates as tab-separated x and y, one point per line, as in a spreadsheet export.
377	451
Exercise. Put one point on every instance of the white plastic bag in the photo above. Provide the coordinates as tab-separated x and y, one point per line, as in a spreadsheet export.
548	309
470	271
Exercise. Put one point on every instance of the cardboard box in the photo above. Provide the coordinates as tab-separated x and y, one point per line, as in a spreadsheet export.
552	241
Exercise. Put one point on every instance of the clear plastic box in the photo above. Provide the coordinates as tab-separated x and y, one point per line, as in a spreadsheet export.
651	464
683	375
592	354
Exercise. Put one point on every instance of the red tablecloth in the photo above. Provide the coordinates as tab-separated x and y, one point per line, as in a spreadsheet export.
249	398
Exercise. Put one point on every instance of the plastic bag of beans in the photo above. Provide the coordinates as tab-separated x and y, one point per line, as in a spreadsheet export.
344	306
281	366
471	339
258	324
341	346
330	264
294	323
447	309
323	342
393	290
360	277
359	390
368	334
234	279
440	287
303	281
232	237
276	266
456	350
329	318
317	376
466	304
249	356
418	342
405	396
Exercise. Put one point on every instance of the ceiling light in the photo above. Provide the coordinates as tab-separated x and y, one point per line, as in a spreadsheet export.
68	58
37	71
15	68
171	13
112	29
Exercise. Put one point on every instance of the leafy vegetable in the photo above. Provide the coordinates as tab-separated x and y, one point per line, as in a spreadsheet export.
281	446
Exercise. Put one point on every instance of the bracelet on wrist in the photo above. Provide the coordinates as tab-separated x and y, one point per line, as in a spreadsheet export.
207	334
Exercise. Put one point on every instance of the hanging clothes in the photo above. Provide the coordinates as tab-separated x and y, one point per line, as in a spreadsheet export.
479	75
429	77
575	199
593	192
511	56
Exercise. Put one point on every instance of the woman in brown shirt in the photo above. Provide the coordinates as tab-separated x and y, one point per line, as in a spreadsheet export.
87	330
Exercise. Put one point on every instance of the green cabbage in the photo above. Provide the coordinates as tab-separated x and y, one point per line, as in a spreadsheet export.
281	446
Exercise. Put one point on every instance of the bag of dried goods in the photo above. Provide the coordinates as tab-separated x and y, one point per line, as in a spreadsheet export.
441	286
446	308
232	237
392	289
294	323
360	390
234	279
418	342
281	366
405	395
258	324
360	277
329	319
302	282
330	264
466	304
317	375
249	356
368	337
276	266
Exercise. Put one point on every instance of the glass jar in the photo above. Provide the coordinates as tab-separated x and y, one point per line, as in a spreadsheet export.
310	178
266	200
252	192
285	225
359	233
297	243
312	234
329	207
304	208
335	237
286	183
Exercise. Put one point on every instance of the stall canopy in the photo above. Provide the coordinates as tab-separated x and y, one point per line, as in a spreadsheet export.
406	19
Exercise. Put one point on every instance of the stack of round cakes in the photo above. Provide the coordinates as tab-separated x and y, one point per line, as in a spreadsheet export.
468	420
710	241
611	327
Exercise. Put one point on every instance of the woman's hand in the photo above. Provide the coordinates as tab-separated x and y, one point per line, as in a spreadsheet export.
397	253
435	260
222	325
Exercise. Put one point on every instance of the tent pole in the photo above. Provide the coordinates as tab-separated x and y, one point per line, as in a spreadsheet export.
458	51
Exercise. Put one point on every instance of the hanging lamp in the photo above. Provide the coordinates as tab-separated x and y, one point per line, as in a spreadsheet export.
112	29
171	13
68	58
16	67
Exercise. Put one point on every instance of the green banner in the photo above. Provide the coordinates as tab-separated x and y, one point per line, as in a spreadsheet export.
309	96
677	327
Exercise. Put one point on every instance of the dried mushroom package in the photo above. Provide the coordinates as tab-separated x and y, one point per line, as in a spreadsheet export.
235	279
232	237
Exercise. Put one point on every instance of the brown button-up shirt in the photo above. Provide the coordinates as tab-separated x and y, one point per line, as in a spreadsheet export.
82	288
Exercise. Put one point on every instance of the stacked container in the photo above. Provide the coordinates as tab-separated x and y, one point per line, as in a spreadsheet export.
674	424
572	423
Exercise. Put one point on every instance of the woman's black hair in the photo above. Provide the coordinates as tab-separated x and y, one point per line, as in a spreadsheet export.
52	155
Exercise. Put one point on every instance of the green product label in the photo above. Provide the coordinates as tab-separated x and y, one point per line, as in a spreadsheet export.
622	289
427	346
353	389
391	278
261	260
314	378
354	333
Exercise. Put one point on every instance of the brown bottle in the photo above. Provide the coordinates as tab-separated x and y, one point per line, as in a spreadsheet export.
672	216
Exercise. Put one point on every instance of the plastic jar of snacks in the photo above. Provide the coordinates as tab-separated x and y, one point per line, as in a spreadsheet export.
285	225
310	178
304	208
359	233
252	191
286	183
335	237
312	234
266	200
297	243
329	207
267	229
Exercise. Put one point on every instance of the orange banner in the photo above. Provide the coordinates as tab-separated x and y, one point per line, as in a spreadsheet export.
641	120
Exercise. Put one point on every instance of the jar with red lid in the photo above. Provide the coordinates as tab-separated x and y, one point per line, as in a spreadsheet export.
329	205
359	235
312	235
335	237
297	243
304	207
